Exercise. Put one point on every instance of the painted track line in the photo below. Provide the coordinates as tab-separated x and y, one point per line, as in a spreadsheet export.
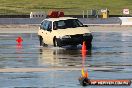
48	69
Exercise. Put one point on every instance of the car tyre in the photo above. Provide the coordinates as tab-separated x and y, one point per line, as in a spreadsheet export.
56	42
88	45
41	41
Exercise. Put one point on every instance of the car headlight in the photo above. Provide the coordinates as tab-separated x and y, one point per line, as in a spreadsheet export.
87	34
66	36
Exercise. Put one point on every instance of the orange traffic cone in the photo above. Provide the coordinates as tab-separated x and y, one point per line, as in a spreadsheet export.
84	50
84	46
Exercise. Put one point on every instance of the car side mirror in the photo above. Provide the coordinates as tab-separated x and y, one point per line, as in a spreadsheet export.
55	28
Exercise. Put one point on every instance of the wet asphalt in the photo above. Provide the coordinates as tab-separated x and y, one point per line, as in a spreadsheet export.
110	58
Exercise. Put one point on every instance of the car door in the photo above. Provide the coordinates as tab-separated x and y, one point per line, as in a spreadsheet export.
46	30
46	27
49	33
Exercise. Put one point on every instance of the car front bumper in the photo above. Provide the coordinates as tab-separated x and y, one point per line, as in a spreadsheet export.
75	40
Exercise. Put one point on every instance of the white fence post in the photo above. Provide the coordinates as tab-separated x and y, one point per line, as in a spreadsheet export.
83	14
37	15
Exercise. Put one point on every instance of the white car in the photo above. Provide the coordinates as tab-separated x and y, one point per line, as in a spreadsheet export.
64	31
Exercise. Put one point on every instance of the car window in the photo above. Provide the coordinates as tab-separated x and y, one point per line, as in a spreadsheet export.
46	25
69	23
72	23
59	24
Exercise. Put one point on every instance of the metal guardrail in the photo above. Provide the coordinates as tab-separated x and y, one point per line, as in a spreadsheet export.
112	20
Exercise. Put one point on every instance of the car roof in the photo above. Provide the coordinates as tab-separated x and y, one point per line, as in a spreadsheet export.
60	18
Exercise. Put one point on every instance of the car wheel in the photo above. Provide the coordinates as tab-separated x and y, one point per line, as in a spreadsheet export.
88	45
41	41
56	42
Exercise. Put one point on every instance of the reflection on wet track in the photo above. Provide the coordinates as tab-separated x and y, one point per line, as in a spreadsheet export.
110	56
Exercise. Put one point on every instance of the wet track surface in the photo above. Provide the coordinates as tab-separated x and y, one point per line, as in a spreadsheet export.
110	58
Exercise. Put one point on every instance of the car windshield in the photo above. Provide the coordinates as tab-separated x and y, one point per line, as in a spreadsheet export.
70	23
